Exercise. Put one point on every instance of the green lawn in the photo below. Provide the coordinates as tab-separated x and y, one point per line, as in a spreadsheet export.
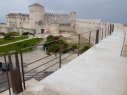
2	41
19	45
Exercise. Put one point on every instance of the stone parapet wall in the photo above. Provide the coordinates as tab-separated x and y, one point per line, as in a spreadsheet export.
124	53
57	18
20	30
3	25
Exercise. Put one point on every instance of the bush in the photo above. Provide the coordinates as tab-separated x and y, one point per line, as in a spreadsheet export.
33	44
65	51
2	33
24	44
26	33
85	48
71	49
49	37
8	36
74	46
64	44
48	53
53	47
14	33
30	49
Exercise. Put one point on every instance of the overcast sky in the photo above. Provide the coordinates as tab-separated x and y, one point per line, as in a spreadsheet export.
107	10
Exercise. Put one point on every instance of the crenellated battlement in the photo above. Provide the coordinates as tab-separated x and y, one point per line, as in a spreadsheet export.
55	14
57	18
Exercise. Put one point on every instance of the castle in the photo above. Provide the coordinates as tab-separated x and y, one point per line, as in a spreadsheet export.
40	21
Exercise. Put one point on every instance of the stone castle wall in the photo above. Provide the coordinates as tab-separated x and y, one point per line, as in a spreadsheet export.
57	18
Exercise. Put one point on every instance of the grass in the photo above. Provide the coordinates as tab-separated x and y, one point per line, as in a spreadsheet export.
20	45
2	41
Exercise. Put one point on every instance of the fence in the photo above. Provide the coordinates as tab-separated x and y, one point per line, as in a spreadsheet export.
47	62
7	74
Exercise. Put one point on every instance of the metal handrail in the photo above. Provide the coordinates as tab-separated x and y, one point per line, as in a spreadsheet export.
40	65
43	70
7	81
102	35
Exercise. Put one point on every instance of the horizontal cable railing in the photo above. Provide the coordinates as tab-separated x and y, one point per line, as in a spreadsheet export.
93	37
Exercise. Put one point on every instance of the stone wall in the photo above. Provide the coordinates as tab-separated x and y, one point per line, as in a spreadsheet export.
20	30
3	25
53	28
66	27
57	18
124	53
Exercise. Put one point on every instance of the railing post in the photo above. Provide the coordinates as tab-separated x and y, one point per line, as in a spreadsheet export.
22	69
60	50
105	31
7	74
15	74
110	29
78	43
113	28
89	38
102	33
97	37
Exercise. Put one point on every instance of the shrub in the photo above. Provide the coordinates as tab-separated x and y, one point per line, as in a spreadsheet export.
14	33
2	33
53	47
8	36
71	49
24	44
65	51
18	43
57	50
30	49
49	37
48	53
74	46
85	48
33	44
64	44
55	38
26	33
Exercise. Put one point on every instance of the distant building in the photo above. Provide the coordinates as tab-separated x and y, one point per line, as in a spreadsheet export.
38	19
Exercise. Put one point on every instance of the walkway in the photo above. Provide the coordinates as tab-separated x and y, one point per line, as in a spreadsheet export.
15	42
99	71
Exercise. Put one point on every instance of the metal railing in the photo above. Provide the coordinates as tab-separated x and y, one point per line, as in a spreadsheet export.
7	74
94	37
99	35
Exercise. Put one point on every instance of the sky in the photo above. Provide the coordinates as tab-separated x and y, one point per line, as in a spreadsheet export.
114	11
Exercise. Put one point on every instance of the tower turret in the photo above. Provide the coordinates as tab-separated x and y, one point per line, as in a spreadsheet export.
36	14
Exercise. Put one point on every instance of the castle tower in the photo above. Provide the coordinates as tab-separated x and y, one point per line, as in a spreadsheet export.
36	14
73	17
18	20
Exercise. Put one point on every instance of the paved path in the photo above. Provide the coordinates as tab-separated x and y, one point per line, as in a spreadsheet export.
14	42
99	71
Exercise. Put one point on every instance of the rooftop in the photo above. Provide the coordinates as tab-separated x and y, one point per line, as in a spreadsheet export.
36	4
